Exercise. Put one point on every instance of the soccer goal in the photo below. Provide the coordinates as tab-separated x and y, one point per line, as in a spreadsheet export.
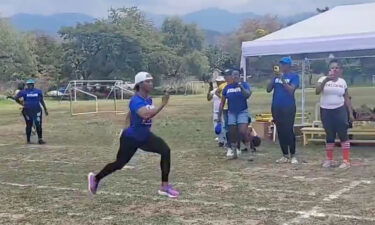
97	96
196	87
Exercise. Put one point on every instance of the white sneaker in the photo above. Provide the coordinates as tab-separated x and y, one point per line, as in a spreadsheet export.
283	160
328	164
345	165
217	139
239	152
294	160
230	153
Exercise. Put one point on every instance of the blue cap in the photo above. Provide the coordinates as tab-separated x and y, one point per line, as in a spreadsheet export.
286	61
30	81
218	129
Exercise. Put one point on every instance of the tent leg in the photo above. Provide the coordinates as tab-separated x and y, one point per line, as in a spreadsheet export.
304	62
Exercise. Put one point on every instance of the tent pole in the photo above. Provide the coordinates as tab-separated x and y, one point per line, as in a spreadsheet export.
243	67
304	62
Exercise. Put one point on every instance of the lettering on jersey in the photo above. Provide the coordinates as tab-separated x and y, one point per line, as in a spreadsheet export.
279	81
334	85
32	95
233	90
149	121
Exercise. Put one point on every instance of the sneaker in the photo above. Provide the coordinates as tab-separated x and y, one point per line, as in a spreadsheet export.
230	153
328	164
217	139
283	160
221	144
238	151
169	191
345	165
41	142
294	160
92	183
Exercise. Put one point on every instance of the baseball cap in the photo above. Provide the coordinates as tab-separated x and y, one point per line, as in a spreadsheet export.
142	76
30	81
220	78
286	61
227	72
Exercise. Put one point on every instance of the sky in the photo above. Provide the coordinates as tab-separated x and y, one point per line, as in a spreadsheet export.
99	8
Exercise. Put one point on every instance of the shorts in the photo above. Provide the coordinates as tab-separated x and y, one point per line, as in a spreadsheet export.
238	118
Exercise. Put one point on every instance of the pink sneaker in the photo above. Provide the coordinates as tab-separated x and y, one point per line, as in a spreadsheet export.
169	191
92	183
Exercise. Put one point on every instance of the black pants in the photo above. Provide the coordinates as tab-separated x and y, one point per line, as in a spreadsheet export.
335	121
284	119
128	147
33	118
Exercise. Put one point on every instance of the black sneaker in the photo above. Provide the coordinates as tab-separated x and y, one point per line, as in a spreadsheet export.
41	142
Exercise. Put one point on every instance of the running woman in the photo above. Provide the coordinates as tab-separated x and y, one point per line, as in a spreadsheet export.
139	135
335	105
284	108
236	93
211	95
32	99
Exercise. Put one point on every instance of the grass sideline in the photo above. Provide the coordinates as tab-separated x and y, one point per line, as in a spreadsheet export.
47	184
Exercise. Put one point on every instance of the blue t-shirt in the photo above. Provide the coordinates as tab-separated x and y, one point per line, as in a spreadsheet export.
31	98
139	129
281	96
237	102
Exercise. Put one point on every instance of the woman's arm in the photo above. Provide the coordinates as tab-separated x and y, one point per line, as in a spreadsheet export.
348	104
148	113
222	103
244	91
270	85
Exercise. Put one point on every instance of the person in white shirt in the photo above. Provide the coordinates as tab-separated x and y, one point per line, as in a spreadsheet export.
211	95
335	105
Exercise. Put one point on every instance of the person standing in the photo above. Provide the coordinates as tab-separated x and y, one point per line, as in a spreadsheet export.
139	135
335	105
236	94
32	99
283	108
219	93
211	95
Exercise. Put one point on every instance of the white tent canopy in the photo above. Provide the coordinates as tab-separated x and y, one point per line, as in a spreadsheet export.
343	28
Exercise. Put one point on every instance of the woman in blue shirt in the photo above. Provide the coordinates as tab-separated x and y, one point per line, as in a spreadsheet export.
139	135
284	109
32	98
236	93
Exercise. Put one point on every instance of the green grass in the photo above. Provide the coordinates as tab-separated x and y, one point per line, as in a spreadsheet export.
214	190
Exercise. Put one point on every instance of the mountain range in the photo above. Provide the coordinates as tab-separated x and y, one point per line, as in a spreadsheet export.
211	19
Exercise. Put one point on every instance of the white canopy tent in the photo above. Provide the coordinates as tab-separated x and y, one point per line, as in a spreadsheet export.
341	29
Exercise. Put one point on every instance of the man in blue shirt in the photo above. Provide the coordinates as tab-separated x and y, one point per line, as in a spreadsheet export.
236	93
32	99
284	108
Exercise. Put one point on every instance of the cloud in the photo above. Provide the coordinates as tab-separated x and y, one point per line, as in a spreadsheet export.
99	8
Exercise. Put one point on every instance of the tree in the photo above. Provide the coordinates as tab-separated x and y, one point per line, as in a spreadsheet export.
16	58
114	48
217	58
250	29
183	38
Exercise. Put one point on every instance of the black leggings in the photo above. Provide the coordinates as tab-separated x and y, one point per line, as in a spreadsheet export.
335	121
284	119
33	118
128	147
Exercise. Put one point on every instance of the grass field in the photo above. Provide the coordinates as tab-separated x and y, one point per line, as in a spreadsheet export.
47	184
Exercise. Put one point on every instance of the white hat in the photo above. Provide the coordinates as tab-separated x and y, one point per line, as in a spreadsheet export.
142	76
220	78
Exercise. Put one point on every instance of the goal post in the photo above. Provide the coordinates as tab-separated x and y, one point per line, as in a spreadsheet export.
105	94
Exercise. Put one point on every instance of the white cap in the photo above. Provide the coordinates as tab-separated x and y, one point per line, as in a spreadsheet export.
142	76
220	78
